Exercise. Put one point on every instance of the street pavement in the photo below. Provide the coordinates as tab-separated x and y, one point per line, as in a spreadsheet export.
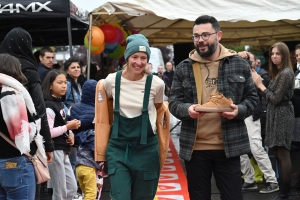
249	195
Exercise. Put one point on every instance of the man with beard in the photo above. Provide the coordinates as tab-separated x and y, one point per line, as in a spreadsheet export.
212	142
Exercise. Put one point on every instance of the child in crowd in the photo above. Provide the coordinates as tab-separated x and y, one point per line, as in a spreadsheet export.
62	177
86	166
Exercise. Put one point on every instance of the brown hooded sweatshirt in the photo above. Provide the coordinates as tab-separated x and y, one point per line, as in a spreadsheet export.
209	133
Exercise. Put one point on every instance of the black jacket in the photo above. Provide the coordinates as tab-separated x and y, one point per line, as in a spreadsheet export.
170	76
35	91
262	104
58	108
15	45
43	71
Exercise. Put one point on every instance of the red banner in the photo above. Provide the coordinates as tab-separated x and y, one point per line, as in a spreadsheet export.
172	183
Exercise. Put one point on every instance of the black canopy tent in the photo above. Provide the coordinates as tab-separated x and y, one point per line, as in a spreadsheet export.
50	23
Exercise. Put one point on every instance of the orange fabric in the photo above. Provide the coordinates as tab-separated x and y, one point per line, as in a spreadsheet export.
163	131
103	121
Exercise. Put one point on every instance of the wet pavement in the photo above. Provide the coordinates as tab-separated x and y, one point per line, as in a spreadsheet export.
249	195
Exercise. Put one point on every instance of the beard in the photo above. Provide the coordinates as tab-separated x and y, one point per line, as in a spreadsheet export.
211	49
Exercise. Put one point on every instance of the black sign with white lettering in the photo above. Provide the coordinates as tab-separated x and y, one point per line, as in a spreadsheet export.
34	8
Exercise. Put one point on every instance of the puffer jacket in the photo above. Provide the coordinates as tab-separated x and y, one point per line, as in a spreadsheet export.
85	110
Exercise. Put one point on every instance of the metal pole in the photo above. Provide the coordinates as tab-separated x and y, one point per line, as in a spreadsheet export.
70	35
89	49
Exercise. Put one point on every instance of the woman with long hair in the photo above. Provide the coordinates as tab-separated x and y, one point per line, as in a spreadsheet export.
18	119
18	43
280	113
75	81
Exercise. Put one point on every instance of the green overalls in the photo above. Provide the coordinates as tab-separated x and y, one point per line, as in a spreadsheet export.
132	153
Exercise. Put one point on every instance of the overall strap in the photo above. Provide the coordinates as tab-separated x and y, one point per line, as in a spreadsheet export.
115	128
145	115
198	80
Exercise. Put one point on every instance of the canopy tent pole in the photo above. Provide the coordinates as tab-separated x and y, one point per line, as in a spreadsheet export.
70	36
89	49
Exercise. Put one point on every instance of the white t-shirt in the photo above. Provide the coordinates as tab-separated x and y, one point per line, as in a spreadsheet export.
132	96
297	78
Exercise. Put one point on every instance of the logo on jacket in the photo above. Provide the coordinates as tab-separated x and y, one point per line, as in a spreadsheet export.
101	96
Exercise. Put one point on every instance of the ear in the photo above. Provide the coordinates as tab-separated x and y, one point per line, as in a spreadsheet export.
220	34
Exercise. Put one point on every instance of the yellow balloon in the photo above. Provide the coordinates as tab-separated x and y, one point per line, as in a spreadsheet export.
115	24
100	50
125	35
129	32
86	44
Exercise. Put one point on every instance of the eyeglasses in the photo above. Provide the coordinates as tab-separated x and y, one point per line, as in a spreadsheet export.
204	36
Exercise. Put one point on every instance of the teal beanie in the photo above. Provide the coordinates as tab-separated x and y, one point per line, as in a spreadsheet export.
137	43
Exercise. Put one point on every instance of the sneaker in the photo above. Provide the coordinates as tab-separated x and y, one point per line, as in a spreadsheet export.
249	186
216	103
77	197
269	188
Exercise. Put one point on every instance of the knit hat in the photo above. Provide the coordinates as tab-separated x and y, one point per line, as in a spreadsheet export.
137	43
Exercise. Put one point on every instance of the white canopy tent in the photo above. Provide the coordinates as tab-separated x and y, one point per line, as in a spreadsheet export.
170	21
167	22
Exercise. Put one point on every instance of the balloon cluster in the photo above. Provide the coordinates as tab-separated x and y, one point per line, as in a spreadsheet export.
110	38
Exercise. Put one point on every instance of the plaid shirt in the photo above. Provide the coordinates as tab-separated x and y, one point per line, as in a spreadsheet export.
235	82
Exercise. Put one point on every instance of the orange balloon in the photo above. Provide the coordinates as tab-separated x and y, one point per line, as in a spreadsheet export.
97	36
100	50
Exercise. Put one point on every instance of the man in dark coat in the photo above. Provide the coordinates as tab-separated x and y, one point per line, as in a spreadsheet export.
46	62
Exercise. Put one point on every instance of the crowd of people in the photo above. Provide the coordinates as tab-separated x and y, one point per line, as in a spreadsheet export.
231	108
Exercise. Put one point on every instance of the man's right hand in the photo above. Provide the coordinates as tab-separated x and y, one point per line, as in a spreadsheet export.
194	114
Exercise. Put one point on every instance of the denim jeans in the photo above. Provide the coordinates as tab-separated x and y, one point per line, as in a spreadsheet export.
17	180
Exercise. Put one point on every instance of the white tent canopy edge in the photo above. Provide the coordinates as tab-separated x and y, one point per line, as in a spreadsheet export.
223	10
227	11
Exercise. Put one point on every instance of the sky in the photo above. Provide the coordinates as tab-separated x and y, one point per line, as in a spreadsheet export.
89	5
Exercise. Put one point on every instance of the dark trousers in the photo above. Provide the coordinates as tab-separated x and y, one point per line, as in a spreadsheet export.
227	172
